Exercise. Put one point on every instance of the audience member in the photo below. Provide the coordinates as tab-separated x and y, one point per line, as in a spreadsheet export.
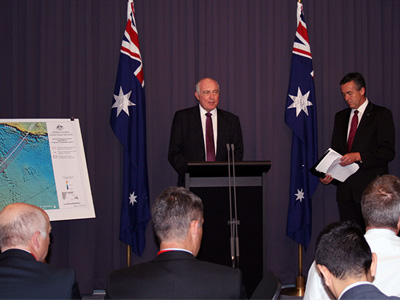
175	273
346	263
24	242
381	211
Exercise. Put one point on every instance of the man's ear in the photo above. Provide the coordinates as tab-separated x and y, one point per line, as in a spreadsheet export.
196	94
326	274
35	240
372	269
194	227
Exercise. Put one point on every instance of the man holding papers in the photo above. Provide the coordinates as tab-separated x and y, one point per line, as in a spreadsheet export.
364	134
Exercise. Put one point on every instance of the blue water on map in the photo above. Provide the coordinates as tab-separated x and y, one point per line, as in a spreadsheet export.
26	171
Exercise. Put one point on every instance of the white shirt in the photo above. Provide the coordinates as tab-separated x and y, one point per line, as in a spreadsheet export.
214	118
386	244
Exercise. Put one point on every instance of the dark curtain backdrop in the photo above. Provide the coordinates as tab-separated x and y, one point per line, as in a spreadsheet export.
59	59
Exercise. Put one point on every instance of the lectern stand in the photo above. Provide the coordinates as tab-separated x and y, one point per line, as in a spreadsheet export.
210	181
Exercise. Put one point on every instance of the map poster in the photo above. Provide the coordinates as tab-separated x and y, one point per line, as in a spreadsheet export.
42	162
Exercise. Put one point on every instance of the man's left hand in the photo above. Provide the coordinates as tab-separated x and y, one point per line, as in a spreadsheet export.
350	158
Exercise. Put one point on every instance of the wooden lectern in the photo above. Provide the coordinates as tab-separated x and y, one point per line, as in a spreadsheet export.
210	181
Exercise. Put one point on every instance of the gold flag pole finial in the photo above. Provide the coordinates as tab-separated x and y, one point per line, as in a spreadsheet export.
299	1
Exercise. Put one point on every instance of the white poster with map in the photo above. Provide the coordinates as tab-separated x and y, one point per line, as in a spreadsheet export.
42	162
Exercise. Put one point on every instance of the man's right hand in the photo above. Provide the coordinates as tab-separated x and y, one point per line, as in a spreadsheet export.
327	179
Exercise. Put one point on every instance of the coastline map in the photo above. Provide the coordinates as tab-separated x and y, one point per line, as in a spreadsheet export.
26	170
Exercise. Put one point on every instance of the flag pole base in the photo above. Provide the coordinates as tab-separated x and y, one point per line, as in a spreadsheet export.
296	291
300	280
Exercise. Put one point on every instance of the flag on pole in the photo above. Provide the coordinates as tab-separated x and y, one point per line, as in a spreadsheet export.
128	121
301	117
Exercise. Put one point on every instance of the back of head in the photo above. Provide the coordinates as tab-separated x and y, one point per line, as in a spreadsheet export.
19	222
173	211
357	78
25	228
380	203
343	250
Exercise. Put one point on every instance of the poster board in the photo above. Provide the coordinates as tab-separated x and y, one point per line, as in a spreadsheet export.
42	162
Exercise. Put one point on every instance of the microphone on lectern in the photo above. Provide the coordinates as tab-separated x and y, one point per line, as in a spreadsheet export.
230	222
235	217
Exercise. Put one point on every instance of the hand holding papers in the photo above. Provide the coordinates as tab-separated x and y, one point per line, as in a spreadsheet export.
330	164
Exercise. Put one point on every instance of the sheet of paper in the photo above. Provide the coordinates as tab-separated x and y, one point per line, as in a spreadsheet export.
330	164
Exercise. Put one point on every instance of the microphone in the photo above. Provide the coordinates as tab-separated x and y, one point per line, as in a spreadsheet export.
230	222
228	147
236	221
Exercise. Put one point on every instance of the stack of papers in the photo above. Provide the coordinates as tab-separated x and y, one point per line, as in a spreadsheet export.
330	164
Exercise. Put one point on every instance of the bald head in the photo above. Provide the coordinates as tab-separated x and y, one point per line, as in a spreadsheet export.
207	93
22	222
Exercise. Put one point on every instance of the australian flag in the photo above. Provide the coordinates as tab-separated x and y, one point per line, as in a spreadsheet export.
128	122
301	117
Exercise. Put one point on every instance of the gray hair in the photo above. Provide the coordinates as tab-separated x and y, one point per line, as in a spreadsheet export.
380	202
19	229
173	211
198	84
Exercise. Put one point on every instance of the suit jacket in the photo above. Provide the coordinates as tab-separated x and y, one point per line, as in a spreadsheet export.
22	277
365	291
187	143
176	275
374	139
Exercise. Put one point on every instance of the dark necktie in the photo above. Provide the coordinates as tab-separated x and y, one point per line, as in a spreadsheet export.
353	129
210	139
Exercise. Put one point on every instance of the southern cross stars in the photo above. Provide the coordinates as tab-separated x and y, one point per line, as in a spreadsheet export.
122	102
300	195
132	199
300	102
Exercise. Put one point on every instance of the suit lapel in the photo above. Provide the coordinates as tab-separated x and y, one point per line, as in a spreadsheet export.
197	130
344	131
220	131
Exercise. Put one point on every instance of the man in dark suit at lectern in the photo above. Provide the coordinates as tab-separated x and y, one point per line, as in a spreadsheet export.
175	273
201	133
24	242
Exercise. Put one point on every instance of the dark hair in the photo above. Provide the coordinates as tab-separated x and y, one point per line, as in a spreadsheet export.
380	202
343	250
173	211
357	78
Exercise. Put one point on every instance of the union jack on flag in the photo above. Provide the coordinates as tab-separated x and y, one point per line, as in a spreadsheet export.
128	121
301	117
